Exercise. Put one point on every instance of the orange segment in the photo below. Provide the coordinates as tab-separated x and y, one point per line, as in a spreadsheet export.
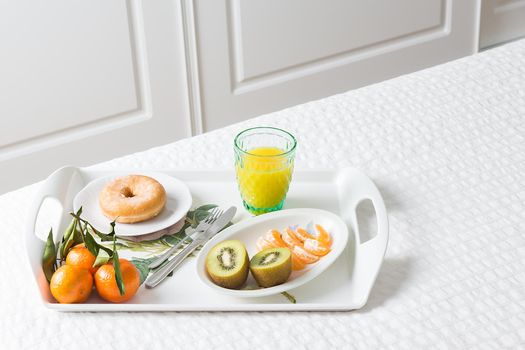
315	247
293	234
274	237
297	264
304	256
305	248
323	237
303	235
262	244
290	239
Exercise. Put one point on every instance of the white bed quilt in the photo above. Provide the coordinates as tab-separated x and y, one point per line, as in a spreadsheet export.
446	147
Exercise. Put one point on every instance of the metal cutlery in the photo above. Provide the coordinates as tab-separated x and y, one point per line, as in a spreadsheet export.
203	225
161	273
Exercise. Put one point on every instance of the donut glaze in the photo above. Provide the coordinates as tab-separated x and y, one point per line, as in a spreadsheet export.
132	198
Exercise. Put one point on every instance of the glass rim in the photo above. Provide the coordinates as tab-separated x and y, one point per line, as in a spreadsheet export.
291	150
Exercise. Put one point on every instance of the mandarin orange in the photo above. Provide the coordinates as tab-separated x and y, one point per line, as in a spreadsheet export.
106	283
71	284
80	256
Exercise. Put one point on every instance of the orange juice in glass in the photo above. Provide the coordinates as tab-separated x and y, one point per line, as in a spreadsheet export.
264	159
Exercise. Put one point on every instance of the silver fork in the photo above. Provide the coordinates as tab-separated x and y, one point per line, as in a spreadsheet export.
203	226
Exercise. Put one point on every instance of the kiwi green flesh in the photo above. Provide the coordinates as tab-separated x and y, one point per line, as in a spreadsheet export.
272	266
227	264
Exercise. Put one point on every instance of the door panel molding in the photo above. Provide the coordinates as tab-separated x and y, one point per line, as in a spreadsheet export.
501	21
509	5
233	89
242	83
192	65
101	124
145	104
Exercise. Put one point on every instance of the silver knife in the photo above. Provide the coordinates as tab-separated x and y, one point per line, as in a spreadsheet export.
191	234
157	262
161	273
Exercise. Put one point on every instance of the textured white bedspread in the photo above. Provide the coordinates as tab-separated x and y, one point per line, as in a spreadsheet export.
446	147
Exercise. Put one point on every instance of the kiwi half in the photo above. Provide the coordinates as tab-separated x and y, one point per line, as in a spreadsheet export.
227	264
271	266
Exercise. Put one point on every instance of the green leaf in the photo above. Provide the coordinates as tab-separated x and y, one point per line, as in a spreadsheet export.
77	237
106	249
116	265
142	265
200	215
91	244
193	220
69	230
206	207
104	237
120	245
171	240
102	257
69	239
190	221
49	257
77	214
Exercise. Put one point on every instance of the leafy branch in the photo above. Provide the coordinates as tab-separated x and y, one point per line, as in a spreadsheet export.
105	249
79	231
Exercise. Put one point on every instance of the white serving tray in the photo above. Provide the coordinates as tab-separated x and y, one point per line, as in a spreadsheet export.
343	286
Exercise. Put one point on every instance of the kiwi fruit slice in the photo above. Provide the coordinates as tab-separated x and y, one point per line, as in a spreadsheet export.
271	266
227	264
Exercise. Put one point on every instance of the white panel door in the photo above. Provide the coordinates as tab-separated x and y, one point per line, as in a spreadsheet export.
501	21
85	81
257	56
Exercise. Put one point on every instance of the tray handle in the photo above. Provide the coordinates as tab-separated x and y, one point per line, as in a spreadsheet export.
356	187
57	186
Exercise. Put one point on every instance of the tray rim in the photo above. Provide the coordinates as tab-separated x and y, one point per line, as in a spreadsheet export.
303	174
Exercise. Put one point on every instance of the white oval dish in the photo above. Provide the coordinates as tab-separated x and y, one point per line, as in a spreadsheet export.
248	231
178	202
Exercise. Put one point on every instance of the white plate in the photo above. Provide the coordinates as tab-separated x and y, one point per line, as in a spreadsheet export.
250	230
178	202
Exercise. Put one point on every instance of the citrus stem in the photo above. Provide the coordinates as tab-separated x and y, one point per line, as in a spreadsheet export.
290	297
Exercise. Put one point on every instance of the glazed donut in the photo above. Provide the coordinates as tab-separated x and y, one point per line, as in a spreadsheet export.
132	198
